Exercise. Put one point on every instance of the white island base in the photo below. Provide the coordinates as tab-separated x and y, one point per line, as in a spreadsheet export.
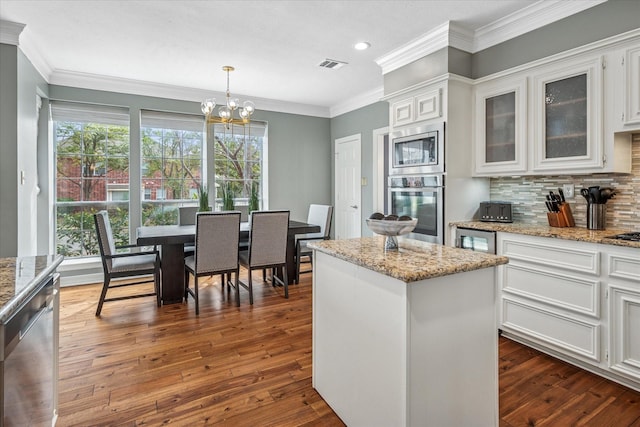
389	353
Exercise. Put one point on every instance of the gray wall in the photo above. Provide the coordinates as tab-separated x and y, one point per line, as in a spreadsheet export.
363	121
597	23
9	149
19	85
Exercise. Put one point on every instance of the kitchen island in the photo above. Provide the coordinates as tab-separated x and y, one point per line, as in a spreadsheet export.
405	338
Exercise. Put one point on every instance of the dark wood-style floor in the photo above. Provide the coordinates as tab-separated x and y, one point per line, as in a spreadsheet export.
138	365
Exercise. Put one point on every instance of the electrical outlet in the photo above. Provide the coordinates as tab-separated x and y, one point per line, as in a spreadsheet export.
567	189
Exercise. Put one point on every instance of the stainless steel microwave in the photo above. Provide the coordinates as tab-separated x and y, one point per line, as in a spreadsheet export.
417	150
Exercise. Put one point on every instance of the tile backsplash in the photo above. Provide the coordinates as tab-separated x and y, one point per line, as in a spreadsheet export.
528	194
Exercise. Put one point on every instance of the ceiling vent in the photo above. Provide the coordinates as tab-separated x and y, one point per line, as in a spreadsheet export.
332	64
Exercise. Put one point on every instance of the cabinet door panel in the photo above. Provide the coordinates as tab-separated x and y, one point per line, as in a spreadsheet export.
563	333
568	117
500	128
428	106
632	83
402	112
624	339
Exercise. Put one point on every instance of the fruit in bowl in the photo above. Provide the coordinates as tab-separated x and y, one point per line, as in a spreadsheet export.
391	226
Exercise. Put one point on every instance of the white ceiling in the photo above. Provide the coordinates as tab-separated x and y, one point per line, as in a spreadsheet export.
275	46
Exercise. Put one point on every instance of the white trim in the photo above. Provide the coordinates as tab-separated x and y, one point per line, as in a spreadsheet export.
10	32
358	101
447	34
528	19
81	279
377	177
139	87
537	15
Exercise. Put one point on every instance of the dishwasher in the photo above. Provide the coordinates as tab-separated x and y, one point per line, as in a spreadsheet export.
476	240
29	359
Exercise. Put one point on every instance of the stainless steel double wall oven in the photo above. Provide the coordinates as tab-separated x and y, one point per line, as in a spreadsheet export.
416	179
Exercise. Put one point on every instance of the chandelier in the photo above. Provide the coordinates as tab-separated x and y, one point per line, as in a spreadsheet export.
226	112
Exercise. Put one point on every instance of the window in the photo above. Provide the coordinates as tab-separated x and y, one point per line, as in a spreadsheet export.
240	163
173	164
92	165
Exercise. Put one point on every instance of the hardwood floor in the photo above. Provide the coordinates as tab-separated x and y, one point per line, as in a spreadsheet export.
139	365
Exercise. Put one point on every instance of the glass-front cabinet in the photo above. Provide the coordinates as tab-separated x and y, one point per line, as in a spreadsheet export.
500	127
568	117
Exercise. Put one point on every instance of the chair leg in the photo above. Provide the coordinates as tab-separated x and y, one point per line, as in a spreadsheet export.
156	280
286	281
186	286
103	294
237	287
251	286
195	287
296	280
264	274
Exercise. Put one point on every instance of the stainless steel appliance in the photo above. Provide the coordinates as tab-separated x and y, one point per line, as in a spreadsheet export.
417	150
29	359
496	211
476	240
421	197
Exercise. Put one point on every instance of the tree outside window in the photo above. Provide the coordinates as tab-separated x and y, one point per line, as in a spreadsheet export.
239	164
172	164
91	159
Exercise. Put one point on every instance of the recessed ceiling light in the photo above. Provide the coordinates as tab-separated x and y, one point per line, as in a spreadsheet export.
362	45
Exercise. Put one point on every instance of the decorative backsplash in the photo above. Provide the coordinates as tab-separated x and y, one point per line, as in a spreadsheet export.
528	194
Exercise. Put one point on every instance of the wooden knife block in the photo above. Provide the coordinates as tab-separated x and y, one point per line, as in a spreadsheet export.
564	218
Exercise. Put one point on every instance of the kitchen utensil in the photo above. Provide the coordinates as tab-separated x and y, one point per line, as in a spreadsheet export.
606	194
585	193
595	193
562	199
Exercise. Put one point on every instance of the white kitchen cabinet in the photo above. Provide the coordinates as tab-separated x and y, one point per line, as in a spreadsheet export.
500	127
551	294
580	108
577	301
632	85
624	311
416	107
568	115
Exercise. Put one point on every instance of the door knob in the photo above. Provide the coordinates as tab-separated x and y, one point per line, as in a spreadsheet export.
354	206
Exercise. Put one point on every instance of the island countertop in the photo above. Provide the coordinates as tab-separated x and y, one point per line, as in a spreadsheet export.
415	260
579	234
19	277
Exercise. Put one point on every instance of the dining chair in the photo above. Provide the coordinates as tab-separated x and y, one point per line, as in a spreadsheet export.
121	265
318	215
267	248
187	216
216	251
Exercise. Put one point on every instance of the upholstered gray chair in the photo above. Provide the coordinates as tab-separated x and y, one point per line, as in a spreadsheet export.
187	216
119	265
216	252
267	247
318	215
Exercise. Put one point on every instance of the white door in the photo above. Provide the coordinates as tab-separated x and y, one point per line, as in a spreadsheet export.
347	187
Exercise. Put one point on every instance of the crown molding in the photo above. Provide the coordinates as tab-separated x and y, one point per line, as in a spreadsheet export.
450	34
160	90
447	34
10	32
528	19
358	101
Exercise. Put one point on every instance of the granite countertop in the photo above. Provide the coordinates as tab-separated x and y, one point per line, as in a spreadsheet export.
567	233
414	261
19	277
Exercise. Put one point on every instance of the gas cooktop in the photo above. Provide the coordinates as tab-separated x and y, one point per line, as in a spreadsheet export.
632	237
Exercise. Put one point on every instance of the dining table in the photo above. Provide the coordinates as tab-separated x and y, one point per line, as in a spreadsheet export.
172	238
